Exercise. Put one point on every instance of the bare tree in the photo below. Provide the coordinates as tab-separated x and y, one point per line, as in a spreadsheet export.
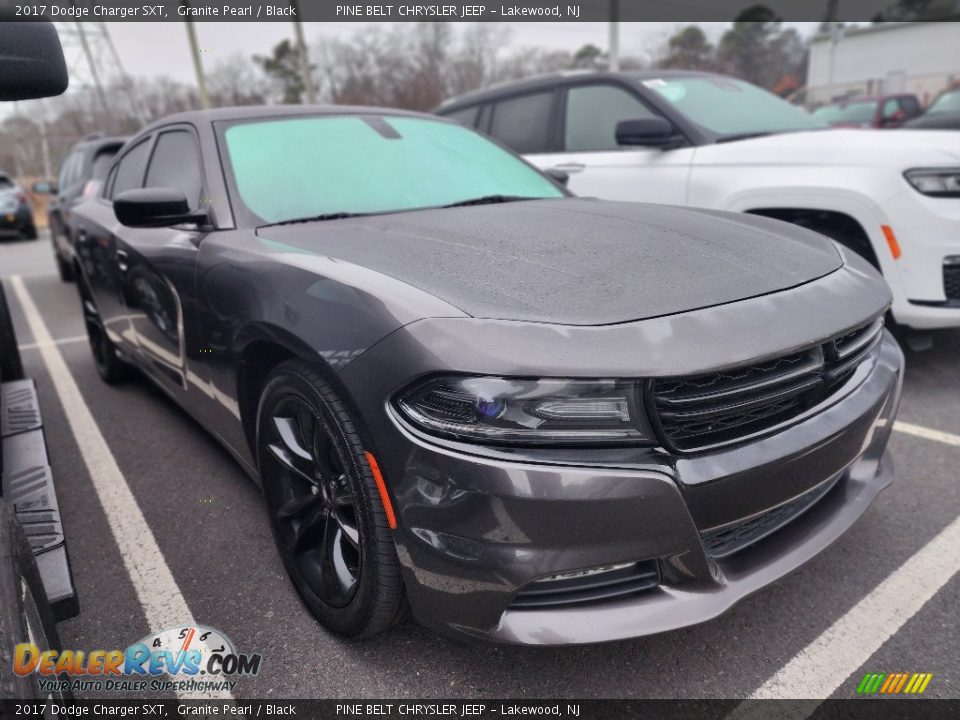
236	81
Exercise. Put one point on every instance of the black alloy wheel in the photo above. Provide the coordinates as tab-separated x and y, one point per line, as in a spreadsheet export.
109	366
329	526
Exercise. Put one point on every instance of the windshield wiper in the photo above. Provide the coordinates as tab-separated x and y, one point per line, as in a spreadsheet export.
488	200
317	218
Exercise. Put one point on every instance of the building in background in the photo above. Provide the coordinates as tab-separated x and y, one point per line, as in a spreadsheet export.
922	58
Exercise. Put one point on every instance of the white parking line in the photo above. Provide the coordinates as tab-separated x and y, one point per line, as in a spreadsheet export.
163	604
826	663
926	433
61	341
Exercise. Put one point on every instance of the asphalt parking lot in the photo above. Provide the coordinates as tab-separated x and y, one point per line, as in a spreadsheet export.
876	601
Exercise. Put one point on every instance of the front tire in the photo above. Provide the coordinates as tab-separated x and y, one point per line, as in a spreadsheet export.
30	232
324	508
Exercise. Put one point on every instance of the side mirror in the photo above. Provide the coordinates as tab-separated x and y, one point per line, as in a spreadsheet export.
43	188
31	61
653	132
561	177
154	207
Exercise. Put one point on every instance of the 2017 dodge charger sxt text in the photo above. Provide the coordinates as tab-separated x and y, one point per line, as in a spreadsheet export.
534	418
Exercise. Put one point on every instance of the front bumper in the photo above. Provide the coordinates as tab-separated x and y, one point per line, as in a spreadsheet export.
474	530
928	231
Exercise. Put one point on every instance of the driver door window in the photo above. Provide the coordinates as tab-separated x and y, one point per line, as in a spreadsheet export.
593	112
597	166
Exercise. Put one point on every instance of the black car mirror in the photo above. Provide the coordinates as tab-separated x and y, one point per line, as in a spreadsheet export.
652	131
31	61
154	207
43	188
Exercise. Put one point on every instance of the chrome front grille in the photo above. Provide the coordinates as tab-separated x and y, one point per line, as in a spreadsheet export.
711	410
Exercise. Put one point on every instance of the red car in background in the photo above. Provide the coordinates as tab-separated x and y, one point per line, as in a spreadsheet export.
884	111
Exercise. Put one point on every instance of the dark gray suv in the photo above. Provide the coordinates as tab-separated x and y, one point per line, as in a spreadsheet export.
81	173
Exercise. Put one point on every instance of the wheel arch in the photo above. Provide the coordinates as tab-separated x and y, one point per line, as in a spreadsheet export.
838	225
261	349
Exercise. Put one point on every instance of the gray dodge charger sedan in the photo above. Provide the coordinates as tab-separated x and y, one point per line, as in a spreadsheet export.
528	417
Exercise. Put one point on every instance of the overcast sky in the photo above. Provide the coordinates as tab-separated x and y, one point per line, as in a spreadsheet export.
161	48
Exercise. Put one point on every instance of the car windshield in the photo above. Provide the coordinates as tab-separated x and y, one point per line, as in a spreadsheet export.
855	112
286	169
727	107
946	103
5	183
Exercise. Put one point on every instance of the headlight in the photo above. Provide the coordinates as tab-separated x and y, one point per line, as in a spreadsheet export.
527	411
939	182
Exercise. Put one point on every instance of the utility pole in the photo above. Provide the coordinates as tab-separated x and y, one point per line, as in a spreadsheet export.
197	64
95	76
93	60
44	140
127	83
305	76
614	30
837	31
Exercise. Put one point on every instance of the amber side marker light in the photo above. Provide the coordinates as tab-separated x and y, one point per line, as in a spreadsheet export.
891	241
382	489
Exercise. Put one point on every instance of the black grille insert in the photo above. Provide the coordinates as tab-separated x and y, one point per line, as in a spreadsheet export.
590	586
951	280
711	410
725	541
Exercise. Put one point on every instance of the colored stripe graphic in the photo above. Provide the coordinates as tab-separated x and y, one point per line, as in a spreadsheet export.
894	683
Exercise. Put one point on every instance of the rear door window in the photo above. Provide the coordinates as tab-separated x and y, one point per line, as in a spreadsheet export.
101	163
523	123
66	170
910	106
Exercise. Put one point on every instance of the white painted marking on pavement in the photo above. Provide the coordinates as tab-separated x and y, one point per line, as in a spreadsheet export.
61	341
163	604
926	433
826	663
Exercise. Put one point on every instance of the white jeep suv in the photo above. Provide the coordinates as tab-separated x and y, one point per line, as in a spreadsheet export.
707	140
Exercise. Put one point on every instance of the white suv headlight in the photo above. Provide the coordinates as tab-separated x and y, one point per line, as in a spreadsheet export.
938	182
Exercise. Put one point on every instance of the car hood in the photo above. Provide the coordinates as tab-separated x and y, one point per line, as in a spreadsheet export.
838	146
572	261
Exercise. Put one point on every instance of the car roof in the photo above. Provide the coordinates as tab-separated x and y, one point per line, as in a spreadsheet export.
269	111
552	79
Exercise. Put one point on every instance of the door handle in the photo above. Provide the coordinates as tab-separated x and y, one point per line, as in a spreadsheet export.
572	167
122	260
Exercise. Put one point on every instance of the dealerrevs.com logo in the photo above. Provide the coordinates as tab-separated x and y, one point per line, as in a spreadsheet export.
894	683
188	658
